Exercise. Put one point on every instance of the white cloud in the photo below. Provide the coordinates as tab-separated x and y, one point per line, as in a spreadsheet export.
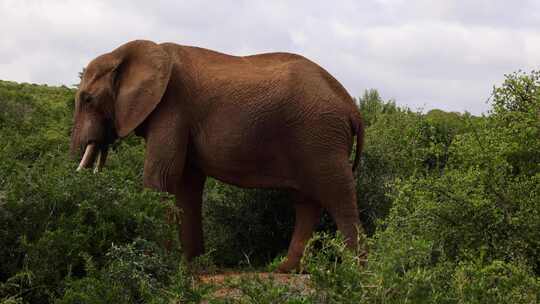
423	53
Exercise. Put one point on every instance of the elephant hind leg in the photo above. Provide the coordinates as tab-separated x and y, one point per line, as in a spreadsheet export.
340	201
308	215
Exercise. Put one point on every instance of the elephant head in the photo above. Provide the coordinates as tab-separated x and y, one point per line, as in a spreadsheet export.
118	91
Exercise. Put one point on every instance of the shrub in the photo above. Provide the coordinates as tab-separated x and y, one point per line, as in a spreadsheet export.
335	271
52	218
246	226
450	202
139	272
495	282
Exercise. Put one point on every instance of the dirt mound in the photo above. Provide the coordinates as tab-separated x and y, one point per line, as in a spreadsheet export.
227	284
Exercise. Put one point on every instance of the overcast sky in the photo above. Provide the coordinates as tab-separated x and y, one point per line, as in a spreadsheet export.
424	54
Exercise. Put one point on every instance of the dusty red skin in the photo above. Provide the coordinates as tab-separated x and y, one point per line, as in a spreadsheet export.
273	120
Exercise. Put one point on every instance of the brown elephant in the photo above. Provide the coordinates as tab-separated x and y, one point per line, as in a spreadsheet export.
273	120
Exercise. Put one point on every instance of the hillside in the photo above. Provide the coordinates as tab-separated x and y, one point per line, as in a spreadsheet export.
450	204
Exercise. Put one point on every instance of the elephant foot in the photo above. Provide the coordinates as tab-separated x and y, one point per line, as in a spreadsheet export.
288	266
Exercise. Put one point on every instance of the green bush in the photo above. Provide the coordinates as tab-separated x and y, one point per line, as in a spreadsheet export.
400	143
52	218
140	272
335	272
245	226
390	150
475	220
487	199
407	269
496	282
450	202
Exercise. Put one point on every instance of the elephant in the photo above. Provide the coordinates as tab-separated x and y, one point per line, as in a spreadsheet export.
272	120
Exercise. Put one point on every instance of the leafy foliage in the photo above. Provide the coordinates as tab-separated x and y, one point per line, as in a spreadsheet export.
245	226
139	272
450	203
51	219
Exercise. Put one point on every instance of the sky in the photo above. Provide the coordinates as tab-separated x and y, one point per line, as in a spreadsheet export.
422	54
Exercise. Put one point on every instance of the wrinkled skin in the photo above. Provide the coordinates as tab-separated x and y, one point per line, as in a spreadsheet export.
272	120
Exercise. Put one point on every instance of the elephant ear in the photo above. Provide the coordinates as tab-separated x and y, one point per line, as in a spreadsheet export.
140	80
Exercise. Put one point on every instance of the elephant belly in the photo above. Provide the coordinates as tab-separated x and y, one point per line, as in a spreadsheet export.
245	163
256	180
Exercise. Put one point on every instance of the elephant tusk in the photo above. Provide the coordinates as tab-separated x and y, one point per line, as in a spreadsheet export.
101	158
96	166
88	157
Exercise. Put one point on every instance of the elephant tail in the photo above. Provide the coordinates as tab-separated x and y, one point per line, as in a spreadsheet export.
358	130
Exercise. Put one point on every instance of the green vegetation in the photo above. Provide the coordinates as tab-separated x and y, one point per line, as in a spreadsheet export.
450	204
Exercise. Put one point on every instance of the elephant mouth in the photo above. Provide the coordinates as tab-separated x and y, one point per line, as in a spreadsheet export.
93	153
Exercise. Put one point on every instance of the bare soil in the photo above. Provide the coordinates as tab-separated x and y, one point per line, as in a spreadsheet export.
222	281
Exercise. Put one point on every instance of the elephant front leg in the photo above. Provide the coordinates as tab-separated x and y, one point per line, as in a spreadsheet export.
164	176
164	168
189	200
187	185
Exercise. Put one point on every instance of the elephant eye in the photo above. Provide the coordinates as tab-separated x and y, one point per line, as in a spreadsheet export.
85	97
